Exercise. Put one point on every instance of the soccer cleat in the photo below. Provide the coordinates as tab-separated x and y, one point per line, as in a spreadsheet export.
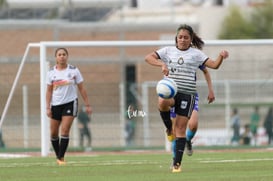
189	150
176	168
170	135
61	162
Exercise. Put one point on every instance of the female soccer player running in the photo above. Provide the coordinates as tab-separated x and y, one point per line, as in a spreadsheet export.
180	63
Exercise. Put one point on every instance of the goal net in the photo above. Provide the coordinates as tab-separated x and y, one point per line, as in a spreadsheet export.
116	76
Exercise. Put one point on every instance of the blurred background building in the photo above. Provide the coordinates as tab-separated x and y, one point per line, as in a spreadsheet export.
244	81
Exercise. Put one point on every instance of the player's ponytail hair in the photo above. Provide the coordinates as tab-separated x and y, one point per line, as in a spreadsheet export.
196	40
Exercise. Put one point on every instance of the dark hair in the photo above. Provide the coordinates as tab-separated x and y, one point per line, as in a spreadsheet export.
61	48
196	40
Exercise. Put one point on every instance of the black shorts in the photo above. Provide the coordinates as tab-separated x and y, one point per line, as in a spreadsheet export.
68	109
184	104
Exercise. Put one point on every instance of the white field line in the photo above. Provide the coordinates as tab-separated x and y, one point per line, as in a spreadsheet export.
80	163
10	155
25	164
238	160
114	162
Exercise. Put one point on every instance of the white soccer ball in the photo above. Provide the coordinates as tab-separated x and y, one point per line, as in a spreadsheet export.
166	88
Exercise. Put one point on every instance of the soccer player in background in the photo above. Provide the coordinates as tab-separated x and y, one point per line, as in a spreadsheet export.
63	80
180	63
254	123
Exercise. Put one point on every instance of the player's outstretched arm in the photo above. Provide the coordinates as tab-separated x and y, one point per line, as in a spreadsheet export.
215	64
154	60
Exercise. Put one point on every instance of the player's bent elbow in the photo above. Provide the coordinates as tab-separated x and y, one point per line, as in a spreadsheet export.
217	67
147	58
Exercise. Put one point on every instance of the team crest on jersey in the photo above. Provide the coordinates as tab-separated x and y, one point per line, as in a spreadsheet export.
180	61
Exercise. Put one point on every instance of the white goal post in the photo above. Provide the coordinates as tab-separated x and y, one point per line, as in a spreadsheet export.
51	44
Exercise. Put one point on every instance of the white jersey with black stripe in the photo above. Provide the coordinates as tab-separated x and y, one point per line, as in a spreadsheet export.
182	66
64	84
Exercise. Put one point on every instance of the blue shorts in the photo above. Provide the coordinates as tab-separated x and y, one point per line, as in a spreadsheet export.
172	110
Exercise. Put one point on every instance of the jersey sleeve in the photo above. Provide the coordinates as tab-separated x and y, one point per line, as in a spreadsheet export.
201	57
78	77
48	78
162	54
202	67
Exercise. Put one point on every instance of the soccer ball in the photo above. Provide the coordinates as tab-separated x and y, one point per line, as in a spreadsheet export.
166	88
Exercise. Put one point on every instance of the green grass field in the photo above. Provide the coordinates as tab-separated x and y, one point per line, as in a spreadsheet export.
204	165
